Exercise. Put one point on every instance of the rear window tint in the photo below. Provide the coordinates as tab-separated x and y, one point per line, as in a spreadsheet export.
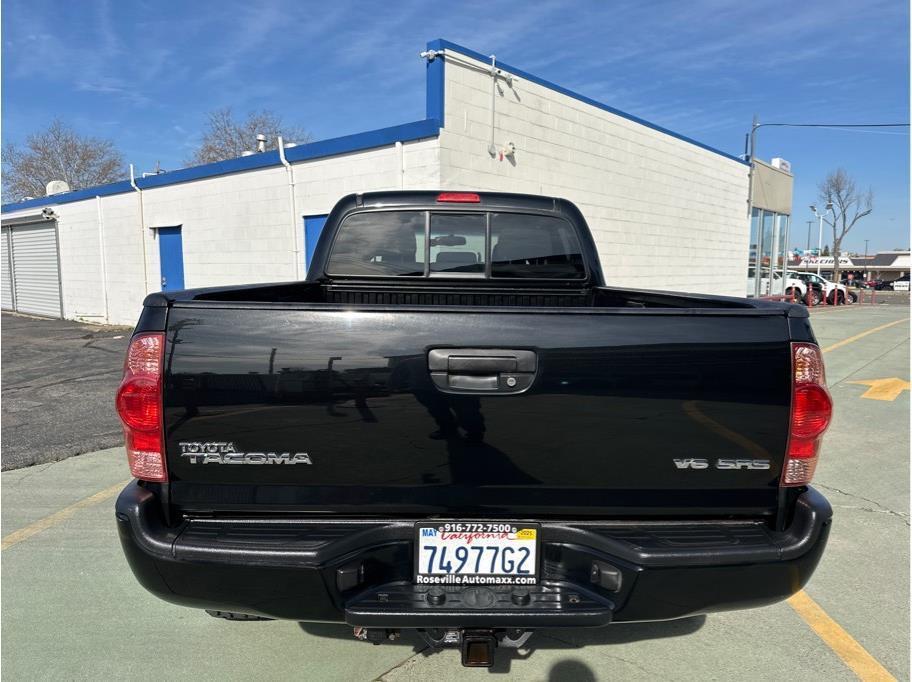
458	243
382	243
534	246
429	243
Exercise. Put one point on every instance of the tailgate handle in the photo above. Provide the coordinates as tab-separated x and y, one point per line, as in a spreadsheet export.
462	364
482	370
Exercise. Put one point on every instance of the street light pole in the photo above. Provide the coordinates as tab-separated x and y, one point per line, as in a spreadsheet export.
819	243
810	222
866	260
829	207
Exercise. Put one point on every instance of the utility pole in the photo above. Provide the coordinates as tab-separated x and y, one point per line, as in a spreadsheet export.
808	247
866	260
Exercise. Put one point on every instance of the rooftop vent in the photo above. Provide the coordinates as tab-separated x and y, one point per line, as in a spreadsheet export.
56	187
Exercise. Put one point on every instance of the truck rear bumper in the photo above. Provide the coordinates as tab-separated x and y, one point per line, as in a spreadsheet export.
360	571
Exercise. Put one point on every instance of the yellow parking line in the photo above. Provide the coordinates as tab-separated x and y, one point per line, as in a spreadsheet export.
863	664
42	525
849	340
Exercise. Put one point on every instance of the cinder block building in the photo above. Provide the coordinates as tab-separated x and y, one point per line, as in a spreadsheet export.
667	211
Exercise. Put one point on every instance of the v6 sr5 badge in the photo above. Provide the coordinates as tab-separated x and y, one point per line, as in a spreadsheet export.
723	464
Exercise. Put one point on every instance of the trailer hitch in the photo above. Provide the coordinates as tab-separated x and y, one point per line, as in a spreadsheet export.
477	645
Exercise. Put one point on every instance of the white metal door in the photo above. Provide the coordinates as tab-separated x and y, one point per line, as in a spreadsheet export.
36	270
6	272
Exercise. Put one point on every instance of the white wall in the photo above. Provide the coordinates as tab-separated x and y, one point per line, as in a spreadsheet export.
235	229
124	256
665	213
85	297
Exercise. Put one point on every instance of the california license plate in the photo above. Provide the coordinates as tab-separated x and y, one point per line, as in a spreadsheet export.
476	553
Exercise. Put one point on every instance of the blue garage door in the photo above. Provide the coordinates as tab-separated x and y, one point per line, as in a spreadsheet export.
313	226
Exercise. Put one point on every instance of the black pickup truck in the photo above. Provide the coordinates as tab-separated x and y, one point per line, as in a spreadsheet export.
452	425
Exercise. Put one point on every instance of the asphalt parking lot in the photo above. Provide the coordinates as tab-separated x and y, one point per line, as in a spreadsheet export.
59	379
72	609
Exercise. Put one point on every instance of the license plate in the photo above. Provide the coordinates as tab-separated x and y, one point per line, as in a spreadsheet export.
476	553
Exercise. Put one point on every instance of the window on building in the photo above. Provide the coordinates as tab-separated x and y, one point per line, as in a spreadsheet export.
769	235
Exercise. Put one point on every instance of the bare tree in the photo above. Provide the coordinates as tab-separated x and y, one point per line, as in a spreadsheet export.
226	137
849	206
59	153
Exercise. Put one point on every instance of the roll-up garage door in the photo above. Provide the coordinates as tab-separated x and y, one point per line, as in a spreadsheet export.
35	269
6	300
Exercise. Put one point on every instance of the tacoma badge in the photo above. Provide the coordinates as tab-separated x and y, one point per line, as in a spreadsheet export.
225	453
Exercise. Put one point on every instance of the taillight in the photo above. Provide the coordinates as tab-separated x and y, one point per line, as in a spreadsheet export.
812	409
139	405
458	198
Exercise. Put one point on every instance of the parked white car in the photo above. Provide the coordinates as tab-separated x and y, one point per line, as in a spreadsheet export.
901	284
833	292
779	287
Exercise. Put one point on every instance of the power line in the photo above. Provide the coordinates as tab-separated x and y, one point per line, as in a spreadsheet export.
869	132
834	125
749	149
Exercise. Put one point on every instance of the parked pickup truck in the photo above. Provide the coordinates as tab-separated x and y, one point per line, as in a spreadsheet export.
452	425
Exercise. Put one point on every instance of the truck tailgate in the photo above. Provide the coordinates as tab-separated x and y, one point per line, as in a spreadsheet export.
628	411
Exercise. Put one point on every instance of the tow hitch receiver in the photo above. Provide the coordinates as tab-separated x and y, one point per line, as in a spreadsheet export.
477	645
478	648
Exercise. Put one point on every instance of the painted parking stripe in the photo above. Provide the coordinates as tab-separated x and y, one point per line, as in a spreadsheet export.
852	339
887	389
863	664
59	517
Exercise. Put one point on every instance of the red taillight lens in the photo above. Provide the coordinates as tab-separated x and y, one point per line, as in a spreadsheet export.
458	198
139	407
138	403
812	409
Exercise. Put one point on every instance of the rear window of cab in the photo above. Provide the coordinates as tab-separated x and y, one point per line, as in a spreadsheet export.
452	244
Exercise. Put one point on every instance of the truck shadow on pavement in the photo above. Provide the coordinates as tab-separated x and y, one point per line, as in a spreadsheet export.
553	639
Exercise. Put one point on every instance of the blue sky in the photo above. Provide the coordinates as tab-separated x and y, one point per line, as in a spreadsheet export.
144	74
